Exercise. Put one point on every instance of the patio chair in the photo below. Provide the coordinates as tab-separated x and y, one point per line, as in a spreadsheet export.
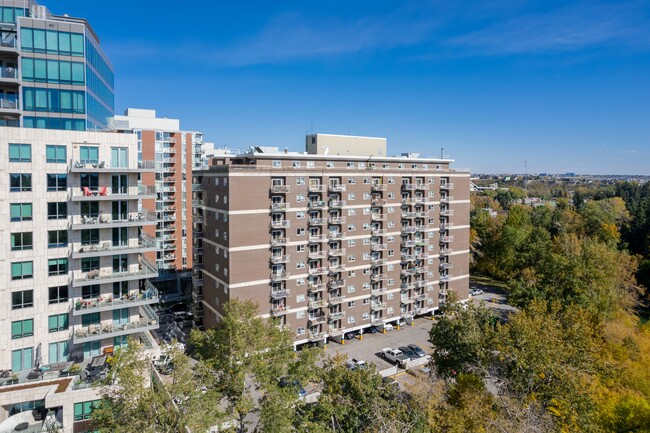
102	164
103	191
87	191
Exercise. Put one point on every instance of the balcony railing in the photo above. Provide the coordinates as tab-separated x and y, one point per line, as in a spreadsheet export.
446	265
317	204
315	287
336	300
446	212
336	284
337	203
337	316
409	257
335	235
377	306
280	189
317	320
279	294
96	276
316	188
447	186
378	262
446	239
336	187
445	252
446	226
317	304
280	259
378	202
377	277
147	322
408	229
317	221
110	302
96	165
377	247
337	252
378	217
316	336
278	310
279	276
444	278
276	242
279	207
83	222
406	300
334	269
446	199
378	187
336	220
317	271
316	254
379	232
317	238
282	224
145	243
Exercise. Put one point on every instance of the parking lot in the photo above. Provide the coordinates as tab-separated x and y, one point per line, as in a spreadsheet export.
369	348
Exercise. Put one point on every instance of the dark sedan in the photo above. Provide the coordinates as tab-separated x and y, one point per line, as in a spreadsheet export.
418	350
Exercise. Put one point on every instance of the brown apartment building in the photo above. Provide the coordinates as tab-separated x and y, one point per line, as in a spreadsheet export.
329	244
175	153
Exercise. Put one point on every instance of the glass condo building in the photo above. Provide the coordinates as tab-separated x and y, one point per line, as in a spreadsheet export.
53	72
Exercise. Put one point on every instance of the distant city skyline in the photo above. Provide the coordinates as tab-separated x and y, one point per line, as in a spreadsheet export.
562	85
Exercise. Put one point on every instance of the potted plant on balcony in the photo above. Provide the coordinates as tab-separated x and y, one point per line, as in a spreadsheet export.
78	304
13	380
109	299
75	369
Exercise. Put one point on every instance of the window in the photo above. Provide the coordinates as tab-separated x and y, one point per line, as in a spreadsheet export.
390	310
277	163
366	181
20	182
300	231
57	182
351	304
55	154
90	292
90	237
21	241
58	352
351	320
352	289
352	181
300	181
20	152
57	322
300	198
94	318
300	215
22	299
310	164
295	164
300	315
20	211
351	258
300	265
351	242
300	298
83	410
89	154
366	316
21	359
58	294
22	328
300	330
330	164
22	270
89	263
300	248
351	227
57	266
390	281
59	210
350	164
351	196
366	301
352	212
57	238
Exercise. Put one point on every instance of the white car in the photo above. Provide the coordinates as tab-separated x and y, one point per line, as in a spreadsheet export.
388	326
475	292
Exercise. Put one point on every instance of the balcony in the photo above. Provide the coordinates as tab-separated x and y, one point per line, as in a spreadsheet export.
408	214
379	232
317	320
280	189
408	186
101	221
407	272
279	276
378	187
421	242
447	186
145	243
421	187
446	239
316	255
421	228
99	276
316	336
279	294
195	187
377	247
197	296
377	321
95	166
420	214
317	238
278	310
421	269
378	290
318	271
335	269
408	229
446	226
446	265
315	287
337	203
280	259
336	220
406	300
107	193
277	242
378	202
377	306
446	212
316	188
446	199
197	203
378	217
280	224
317	221
147	322
337	252
336	300
408	258
279	207
108	302
335	235
168	160
335	284
317	304
197	282
420	284
444	252
444	278
377	261
375	278
336	187
337	316
317	204
407	286
421	311
420	298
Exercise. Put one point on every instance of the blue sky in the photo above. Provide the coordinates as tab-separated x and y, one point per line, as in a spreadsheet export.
563	85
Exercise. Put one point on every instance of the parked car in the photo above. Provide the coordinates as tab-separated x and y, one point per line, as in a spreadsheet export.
286	383
389	383
350	335
408	352
372	330
476	292
388	327
418	350
401	323
395	356
355	364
